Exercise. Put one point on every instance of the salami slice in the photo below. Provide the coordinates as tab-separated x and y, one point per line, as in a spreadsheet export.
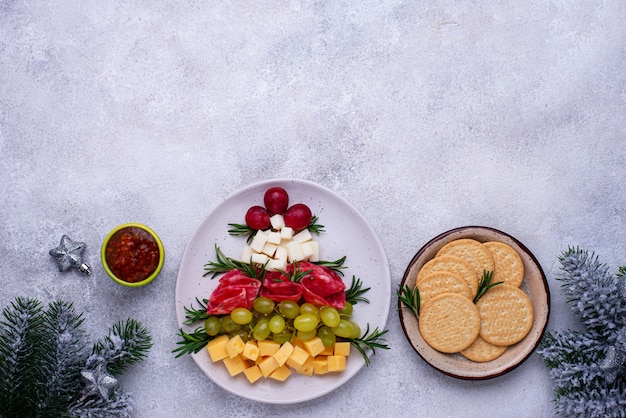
322	286
234	290
277	287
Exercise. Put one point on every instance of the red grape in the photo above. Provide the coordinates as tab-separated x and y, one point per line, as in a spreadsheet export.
257	217
298	216
276	200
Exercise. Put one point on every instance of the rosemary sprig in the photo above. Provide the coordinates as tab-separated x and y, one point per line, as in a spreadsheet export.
191	343
410	298
371	341
196	314
242	230
485	284
355	293
225	264
297	275
336	265
314	227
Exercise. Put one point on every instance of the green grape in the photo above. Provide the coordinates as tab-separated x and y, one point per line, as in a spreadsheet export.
309	308
329	316
263	305
307	335
344	329
306	322
356	330
241	316
282	337
277	324
212	326
261	330
289	309
327	336
346	312
228	325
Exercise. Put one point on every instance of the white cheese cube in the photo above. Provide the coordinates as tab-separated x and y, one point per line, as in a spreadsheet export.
316	250
259	258
246	254
269	249
303	236
258	241
273	237
277	265
281	253
307	250
286	233
277	221
294	251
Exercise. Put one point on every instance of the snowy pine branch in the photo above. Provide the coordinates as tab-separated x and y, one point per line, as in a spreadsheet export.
127	343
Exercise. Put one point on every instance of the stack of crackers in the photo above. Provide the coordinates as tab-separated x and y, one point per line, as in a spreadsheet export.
450	321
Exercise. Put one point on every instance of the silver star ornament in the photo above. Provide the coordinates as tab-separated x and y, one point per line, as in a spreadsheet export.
98	382
70	254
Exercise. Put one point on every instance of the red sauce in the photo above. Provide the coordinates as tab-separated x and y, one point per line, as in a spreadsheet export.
132	254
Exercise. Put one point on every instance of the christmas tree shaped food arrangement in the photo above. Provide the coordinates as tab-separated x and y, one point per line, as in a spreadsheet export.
46	369
588	366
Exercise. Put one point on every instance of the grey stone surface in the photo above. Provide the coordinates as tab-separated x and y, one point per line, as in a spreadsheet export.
424	115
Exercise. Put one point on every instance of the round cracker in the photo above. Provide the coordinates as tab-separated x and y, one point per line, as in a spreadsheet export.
506	315
453	264
449	323
508	265
440	282
482	351
472	251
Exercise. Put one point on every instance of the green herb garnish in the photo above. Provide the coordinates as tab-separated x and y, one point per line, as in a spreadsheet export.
354	294
410	298
371	341
485	284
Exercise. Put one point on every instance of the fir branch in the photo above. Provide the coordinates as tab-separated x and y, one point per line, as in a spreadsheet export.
191	343
485	284
336	265
354	293
370	341
127	343
410	298
120	405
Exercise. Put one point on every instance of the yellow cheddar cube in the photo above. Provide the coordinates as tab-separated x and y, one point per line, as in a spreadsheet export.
217	348
297	358
234	346
342	348
314	346
328	351
235	365
336	363
297	342
280	373
268	348
253	373
283	353
307	367
320	365
251	351
268	365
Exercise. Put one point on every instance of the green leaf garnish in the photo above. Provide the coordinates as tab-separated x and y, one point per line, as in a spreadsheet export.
354	294
485	284
410	298
371	341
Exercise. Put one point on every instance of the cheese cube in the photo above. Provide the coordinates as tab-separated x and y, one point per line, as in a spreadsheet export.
269	249
307	250
268	348
328	351
268	365
234	346
273	237
280	373
246	254
259	240
281	253
298	358
294	251
217	348
259	258
286	233
277	221
276	265
250	351
253	373
336	363
283	353
235	365
342	348
315	245
303	236
314	346
320	365
307	367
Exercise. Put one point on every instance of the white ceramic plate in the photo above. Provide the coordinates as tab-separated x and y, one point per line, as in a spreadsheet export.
346	233
534	284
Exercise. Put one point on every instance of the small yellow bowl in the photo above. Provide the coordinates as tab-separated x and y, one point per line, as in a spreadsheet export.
138	241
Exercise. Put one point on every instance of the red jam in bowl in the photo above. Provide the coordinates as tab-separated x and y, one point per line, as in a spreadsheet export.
132	254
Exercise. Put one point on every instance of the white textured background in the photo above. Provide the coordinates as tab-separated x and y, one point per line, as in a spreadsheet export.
424	115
